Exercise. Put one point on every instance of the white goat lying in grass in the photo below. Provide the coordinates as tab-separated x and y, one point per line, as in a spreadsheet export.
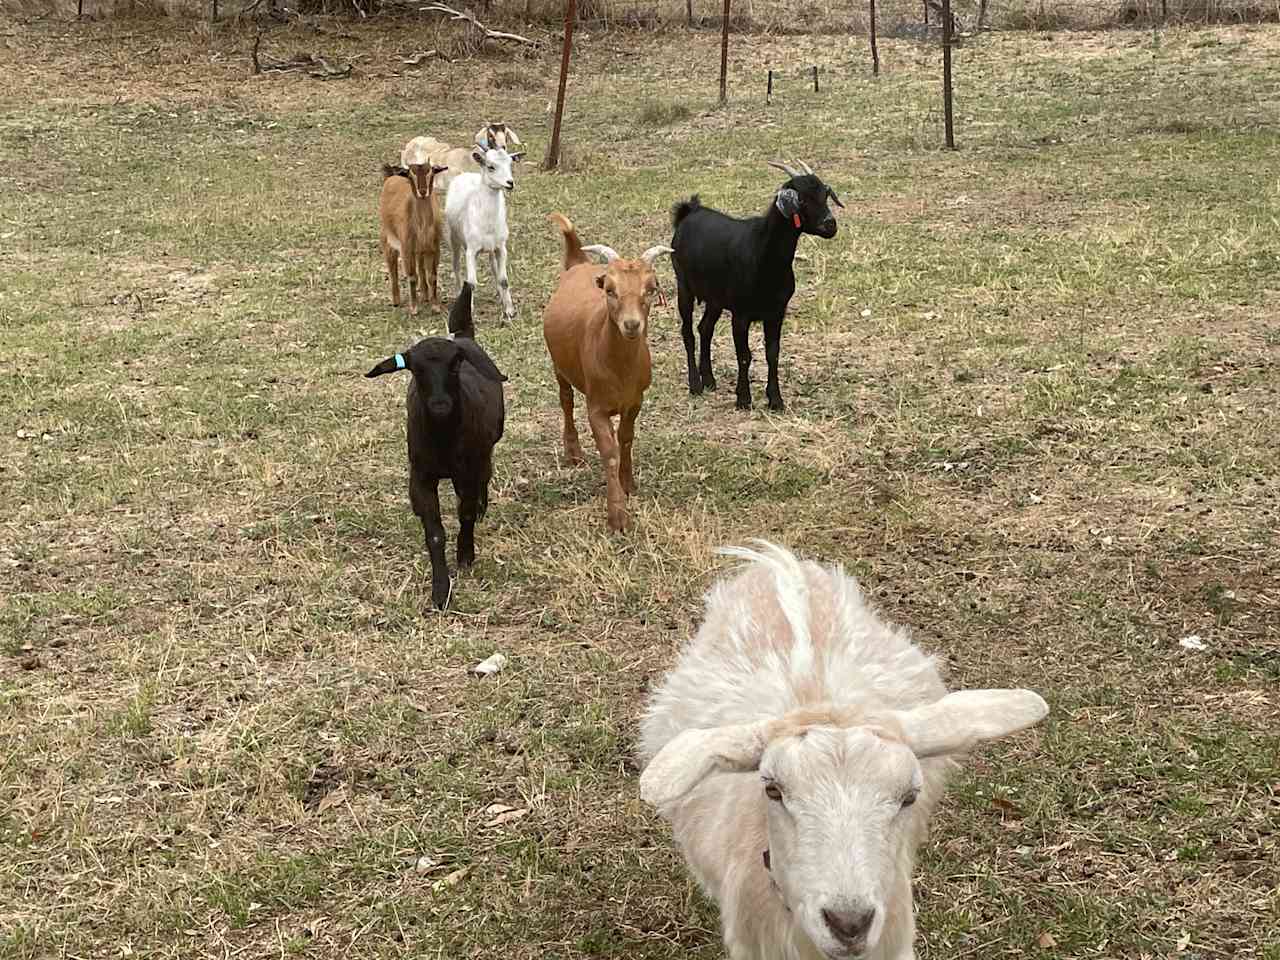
476	212
798	748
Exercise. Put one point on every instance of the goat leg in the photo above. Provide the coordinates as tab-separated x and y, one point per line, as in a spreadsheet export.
415	294
392	256
573	455
772	346
706	331
743	351
607	444
627	433
424	494
504	285
684	304
468	512
456	245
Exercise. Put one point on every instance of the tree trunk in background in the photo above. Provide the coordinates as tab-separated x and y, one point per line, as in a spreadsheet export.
724	55
875	54
946	73
553	148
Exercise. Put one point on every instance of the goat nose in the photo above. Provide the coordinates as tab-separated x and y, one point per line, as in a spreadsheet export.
849	926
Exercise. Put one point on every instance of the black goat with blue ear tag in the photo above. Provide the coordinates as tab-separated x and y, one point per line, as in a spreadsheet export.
744	266
455	418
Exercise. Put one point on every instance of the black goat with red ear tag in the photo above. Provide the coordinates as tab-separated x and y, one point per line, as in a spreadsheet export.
455	418
744	266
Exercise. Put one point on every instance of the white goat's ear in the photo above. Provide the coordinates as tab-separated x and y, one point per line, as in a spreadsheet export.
683	763
478	156
960	720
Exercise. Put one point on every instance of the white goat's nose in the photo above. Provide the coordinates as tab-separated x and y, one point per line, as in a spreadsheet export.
850	927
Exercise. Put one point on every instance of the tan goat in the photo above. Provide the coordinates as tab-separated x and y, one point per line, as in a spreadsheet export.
409	211
458	159
596	328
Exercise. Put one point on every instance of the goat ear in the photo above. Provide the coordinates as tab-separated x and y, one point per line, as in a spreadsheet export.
961	720
519	155
478	156
788	202
389	365
474	355
695	754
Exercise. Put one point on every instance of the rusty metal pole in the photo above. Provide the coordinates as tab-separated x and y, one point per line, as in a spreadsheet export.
724	56
553	148
946	74
875	53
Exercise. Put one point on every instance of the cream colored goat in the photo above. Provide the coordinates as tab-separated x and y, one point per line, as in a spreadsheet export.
459	159
798	748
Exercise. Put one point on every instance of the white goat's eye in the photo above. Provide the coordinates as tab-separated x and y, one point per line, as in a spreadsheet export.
910	797
773	791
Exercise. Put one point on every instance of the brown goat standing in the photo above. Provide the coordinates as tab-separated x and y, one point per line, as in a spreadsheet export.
596	328
410	214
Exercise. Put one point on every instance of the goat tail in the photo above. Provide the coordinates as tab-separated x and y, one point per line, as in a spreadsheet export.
683	209
573	254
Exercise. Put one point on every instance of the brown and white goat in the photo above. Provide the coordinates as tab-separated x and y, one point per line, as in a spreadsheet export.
596	328
409	211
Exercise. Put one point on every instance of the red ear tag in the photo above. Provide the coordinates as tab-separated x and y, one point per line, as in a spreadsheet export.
795	218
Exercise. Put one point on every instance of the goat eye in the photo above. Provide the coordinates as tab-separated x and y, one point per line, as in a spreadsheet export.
773	791
910	797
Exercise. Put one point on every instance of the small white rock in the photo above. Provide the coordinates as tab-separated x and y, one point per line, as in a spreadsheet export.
1193	642
489	666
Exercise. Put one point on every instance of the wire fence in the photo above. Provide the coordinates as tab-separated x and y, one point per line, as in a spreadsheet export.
897	18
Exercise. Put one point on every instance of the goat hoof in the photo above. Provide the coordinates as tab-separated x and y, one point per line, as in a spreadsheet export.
708	382
619	521
440	600
744	403
574	457
695	388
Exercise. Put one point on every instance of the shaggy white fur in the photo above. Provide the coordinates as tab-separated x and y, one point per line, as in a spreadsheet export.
798	748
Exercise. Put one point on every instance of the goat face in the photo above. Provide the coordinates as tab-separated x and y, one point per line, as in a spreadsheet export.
423	178
629	287
496	167
803	201
435	364
840	828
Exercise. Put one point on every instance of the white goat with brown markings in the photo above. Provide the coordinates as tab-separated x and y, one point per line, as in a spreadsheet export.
798	748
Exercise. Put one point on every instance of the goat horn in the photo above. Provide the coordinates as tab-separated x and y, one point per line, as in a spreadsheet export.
511	135
785	167
805	167
607	252
653	253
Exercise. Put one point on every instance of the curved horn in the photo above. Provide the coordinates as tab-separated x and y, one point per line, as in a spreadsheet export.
511	135
805	167
785	167
653	253
607	252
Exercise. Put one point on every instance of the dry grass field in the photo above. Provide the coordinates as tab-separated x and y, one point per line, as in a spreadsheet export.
1032	402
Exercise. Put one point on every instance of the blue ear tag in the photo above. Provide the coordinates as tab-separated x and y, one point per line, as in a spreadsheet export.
399	361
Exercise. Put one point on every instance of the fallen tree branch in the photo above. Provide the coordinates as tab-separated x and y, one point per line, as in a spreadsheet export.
469	18
262	63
